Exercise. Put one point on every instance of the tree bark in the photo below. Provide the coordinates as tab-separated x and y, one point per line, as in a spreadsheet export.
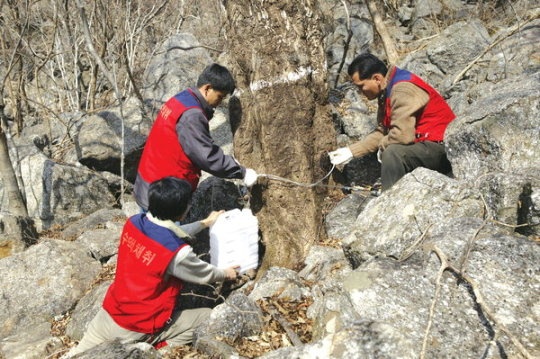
280	121
17	206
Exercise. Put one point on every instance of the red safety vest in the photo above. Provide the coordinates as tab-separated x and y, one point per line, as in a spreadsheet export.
163	155
433	120
142	297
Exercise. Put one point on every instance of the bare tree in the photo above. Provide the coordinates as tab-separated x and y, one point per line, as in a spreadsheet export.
388	43
11	46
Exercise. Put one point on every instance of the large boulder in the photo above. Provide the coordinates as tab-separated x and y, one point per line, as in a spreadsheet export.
448	54
59	193
500	132
469	279
177	65
104	137
42	282
86	310
391	224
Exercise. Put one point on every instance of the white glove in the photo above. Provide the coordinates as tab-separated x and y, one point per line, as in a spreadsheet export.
379	155
250	178
340	156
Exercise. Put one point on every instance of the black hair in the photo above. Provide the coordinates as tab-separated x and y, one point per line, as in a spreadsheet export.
169	198
218	77
367	65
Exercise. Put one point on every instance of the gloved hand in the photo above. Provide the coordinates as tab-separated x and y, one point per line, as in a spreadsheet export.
379	155
340	156
251	177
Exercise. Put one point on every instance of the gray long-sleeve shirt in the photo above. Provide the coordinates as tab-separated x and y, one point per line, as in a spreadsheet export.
194	136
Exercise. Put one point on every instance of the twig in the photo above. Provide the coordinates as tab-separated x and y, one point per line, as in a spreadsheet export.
215	299
295	339
187	48
470	245
347	43
378	22
511	32
408	252
442	268
514	225
497	327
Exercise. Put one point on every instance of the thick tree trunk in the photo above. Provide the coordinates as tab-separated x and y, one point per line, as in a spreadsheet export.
280	123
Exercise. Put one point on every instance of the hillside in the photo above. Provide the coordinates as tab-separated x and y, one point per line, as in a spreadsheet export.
440	265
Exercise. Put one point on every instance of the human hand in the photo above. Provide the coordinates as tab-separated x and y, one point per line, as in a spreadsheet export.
251	177
340	156
212	218
232	272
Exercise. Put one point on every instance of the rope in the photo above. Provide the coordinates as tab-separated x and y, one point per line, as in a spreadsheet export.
311	185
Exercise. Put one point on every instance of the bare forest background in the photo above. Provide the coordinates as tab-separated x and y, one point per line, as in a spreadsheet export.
60	57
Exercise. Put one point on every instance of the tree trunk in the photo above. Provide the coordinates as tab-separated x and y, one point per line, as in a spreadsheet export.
389	46
17	206
280	122
17	229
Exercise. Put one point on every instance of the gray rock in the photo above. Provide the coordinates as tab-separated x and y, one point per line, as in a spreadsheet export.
491	280
216	348
427	8
178	64
516	54
58	193
99	139
238	317
340	219
513	199
448	54
363	339
101	244
44	281
16	232
86	310
322	263
276	280
489	137
102	218
331	311
417	201
34	342
117	350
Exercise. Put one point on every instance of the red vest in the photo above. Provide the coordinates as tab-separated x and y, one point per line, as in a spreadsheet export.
433	120
163	155
142	297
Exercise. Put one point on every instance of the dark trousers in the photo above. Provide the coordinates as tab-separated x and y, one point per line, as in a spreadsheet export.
397	160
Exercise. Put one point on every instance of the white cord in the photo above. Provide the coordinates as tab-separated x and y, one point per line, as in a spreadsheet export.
308	185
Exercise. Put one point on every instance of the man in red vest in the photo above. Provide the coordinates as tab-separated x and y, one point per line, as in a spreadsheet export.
153	263
179	143
412	118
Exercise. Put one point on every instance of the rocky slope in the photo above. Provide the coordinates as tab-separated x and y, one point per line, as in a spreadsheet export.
438	266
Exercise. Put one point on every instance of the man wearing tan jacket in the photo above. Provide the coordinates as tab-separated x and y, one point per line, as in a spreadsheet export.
412	118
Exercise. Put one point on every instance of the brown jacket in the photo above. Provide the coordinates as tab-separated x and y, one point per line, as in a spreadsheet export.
406	100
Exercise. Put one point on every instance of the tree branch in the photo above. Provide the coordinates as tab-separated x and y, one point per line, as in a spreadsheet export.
389	47
535	15
497	327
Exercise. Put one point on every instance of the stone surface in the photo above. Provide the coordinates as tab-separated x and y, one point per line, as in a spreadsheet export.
44	281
